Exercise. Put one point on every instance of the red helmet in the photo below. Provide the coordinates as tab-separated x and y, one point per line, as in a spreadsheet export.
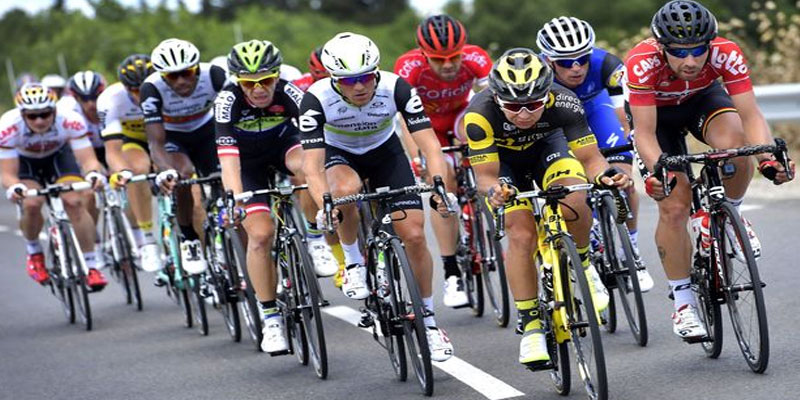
315	66
441	35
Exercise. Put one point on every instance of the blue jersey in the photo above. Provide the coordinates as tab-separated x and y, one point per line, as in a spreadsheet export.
603	81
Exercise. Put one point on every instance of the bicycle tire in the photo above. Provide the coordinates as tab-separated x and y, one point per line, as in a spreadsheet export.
582	321
58	286
493	270
309	302
129	263
108	239
387	309
467	255
290	310
248	304
708	306
624	271
77	276
609	316
177	280
561	375
406	291
198	302
219	283
737	292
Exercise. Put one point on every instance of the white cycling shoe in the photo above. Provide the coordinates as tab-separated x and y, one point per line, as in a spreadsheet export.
150	257
192	258
454	293
354	283
600	296
439	344
686	323
274	339
324	262
736	247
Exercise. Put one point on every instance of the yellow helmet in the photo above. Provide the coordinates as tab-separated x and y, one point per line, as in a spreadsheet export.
520	75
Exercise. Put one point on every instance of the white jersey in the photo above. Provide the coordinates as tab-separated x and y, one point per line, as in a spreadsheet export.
70	103
358	130
16	139
120	115
182	114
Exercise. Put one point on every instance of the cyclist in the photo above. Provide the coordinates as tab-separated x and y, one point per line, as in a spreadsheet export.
83	89
256	132
316	71
55	82
39	145
596	77
527	127
444	69
177	102
126	149
347	122
672	79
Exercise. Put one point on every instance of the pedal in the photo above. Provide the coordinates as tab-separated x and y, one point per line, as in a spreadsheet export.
540	365
279	353
366	320
698	339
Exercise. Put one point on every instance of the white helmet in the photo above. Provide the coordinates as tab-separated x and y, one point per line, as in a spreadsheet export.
174	55
350	54
54	81
565	37
35	96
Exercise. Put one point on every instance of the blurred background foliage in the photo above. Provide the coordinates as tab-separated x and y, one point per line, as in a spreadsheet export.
768	31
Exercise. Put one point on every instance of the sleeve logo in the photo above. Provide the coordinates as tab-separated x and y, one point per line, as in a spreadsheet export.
308	121
646	64
414	103
222	106
149	106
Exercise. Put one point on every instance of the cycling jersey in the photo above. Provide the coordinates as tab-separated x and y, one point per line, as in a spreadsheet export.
120	116
327	118
304	82
160	104
16	139
70	103
540	153
651	81
601	93
444	100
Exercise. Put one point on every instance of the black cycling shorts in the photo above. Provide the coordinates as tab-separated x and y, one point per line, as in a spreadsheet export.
199	145
58	167
386	165
260	159
693	116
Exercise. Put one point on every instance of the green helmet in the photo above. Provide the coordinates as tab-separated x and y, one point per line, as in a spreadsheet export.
254	57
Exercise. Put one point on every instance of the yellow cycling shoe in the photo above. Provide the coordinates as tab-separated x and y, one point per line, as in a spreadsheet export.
337	277
600	296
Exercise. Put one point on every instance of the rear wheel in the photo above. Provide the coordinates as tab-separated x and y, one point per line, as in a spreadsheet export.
308	301
248	304
708	306
493	270
743	290
198	303
467	256
128	265
387	309
58	285
78	277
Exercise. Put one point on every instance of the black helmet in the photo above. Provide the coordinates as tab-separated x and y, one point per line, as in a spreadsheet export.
134	69
683	22
520	75
86	84
254	57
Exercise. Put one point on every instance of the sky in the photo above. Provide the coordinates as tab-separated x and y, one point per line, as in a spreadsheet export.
423	6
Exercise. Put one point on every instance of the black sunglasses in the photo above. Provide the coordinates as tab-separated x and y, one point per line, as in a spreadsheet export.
35	116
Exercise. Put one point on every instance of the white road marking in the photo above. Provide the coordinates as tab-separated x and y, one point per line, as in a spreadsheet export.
4	228
485	384
750	207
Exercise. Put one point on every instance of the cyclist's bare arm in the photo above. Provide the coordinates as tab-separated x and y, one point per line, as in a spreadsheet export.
623	120
408	142
644	124
231	173
314	170
116	162
87	159
429	145
9	171
156	139
755	125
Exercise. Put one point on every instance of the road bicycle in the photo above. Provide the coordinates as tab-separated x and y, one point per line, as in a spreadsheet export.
118	243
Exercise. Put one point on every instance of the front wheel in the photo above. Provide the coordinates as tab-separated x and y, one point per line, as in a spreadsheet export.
743	289
493	269
582	321
80	286
248	304
308	301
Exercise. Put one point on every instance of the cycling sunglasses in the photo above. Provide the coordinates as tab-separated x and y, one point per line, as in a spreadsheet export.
35	116
570	62
353	80
516	108
187	73
84	99
264	81
683	53
443	59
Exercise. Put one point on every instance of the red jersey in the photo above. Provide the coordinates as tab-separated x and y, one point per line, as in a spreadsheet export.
304	82
444	100
652	82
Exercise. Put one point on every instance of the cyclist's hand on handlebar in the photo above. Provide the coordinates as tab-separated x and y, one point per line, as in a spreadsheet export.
655	187
225	220
16	192
613	178
774	170
120	179
97	179
336	218
500	193
166	180
441	207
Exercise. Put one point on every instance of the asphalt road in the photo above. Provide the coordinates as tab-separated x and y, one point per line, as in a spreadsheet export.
150	355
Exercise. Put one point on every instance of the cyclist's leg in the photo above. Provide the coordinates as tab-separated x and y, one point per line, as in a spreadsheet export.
343	180
260	235
139	193
32	221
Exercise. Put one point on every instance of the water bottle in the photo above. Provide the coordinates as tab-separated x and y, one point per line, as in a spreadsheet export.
702	233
